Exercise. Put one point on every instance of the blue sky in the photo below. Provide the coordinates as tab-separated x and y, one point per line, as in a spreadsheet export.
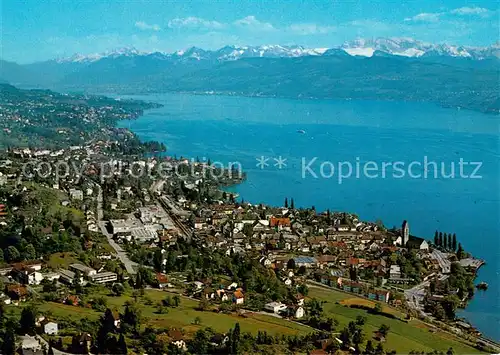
41	29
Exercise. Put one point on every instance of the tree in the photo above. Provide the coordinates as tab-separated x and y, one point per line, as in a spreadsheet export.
450	351
122	345
107	326
358	337
450	242
454	242
432	286
379	350
290	265
29	252
158	260
176	300
377	308
450	305
12	254
436	238
77	282
139	283
197	321
369	349
286	202
445	240
353	273
203	304
200	343
314	307
439	312
440	239
292	204
235	341
27	322
131	317
384	330
460	252
345	336
118	289
50	351
9	340
360	320
303	289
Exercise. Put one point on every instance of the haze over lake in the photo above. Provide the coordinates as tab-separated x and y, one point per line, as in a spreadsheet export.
229	129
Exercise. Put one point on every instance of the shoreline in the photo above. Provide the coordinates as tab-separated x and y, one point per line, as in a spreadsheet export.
234	187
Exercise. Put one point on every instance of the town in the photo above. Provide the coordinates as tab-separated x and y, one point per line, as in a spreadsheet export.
127	252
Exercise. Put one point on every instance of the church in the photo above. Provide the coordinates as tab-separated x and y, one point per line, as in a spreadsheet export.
407	240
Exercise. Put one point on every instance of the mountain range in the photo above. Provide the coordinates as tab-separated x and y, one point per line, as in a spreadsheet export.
380	69
406	47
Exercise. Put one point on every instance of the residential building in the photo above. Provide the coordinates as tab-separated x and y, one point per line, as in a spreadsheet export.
275	307
76	194
306	261
103	277
395	272
84	270
417	243
27	275
50	328
238	297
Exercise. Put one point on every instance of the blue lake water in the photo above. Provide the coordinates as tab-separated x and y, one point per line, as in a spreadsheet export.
230	129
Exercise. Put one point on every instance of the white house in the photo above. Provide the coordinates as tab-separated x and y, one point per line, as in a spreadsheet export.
30	343
275	307
395	272
50	328
84	270
299	312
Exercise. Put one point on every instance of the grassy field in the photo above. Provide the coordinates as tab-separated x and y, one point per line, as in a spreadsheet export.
403	337
180	317
62	260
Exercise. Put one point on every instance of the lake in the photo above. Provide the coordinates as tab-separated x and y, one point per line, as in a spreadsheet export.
304	140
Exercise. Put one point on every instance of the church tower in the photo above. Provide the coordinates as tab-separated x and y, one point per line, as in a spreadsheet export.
405	233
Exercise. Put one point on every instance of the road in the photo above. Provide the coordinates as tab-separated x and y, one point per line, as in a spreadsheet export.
442	259
56	352
130	265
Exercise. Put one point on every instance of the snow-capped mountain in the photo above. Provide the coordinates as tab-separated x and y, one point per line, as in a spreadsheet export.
396	46
409	47
222	54
406	47
119	52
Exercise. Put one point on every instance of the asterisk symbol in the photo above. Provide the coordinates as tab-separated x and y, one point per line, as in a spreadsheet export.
280	162
262	162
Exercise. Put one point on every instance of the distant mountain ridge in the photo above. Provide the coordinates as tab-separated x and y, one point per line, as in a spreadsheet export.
375	69
406	47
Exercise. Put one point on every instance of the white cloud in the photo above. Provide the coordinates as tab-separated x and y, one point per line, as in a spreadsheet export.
305	29
251	22
194	22
470	11
425	17
146	26
462	11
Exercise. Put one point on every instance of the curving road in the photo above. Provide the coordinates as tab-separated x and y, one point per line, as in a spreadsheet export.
130	265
